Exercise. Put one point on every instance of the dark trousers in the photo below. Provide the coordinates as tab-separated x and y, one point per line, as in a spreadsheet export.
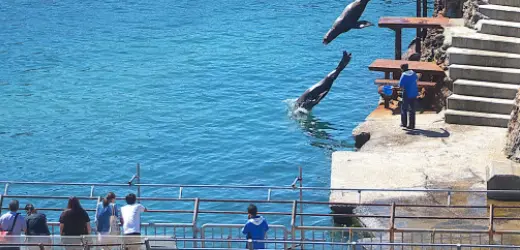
408	109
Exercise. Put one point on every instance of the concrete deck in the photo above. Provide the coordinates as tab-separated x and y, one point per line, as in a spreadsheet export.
435	155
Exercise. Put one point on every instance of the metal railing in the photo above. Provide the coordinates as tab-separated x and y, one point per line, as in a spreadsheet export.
294	231
151	243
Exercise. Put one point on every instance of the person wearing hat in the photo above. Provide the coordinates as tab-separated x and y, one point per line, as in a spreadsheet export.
37	230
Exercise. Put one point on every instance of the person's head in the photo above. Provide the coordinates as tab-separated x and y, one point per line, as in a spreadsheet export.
252	210
131	199
74	204
404	67
14	205
29	208
110	198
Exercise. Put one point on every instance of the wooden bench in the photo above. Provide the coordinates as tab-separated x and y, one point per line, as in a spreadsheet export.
399	23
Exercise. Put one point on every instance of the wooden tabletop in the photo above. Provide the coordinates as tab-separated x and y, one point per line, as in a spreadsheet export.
413	22
386	65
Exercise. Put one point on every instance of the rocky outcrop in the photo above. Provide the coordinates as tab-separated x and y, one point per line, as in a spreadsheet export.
471	14
512	149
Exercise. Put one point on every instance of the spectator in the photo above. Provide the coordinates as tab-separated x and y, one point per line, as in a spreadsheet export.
36	224
408	83
256	227
74	221
131	216
107	221
13	223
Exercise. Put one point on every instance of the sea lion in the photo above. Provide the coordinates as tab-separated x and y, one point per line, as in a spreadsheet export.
318	91
349	19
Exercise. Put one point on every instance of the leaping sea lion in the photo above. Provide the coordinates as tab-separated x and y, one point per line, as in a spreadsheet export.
349	19
318	91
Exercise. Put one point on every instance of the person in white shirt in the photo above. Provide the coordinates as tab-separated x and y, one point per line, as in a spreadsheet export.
131	216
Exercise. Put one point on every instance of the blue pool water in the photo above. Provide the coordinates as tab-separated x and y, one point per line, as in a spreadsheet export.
195	91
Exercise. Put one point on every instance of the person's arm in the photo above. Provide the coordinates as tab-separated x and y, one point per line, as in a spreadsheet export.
61	228
245	230
24	225
62	220
142	208
47	231
88	227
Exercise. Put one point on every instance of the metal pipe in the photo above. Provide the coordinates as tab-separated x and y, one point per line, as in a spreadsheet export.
180	192
1	202
6	189
269	194
138	173
449	199
92	191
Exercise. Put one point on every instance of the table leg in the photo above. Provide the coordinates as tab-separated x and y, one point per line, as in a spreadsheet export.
398	44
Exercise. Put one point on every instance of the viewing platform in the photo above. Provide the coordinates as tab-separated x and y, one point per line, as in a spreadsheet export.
296	223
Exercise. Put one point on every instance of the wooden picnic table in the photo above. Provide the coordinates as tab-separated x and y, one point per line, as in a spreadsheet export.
399	23
394	66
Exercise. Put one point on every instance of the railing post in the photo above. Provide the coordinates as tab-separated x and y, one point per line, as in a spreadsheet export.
147	243
354	245
392	225
194	220
418	8
1	202
138	179
6	189
269	194
250	244
180	192
359	196
92	191
41	246
459	247
491	222
449	199
293	220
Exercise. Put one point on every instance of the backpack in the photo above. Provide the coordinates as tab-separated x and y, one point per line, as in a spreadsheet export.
114	222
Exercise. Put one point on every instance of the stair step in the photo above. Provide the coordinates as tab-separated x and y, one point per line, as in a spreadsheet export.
487	74
480	104
514	3
483	58
500	12
485	89
476	118
487	42
499	28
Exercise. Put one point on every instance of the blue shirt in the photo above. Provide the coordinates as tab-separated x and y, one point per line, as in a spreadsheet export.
103	217
256	229
408	82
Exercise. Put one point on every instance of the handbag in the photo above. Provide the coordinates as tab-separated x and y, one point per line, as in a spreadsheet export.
4	234
114	223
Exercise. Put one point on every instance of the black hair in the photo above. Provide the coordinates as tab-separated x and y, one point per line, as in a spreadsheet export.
110	196
130	199
252	210
14	205
29	208
74	204
404	66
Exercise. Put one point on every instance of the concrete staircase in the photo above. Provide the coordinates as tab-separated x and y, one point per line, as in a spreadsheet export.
485	67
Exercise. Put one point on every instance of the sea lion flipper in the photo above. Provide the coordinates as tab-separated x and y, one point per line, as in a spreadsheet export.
362	24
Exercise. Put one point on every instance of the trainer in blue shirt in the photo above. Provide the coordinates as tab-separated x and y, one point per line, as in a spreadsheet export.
408	83
256	227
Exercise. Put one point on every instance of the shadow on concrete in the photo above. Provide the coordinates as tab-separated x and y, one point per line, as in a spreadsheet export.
428	133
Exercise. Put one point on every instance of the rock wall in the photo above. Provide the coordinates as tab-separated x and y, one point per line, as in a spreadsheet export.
471	14
512	149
